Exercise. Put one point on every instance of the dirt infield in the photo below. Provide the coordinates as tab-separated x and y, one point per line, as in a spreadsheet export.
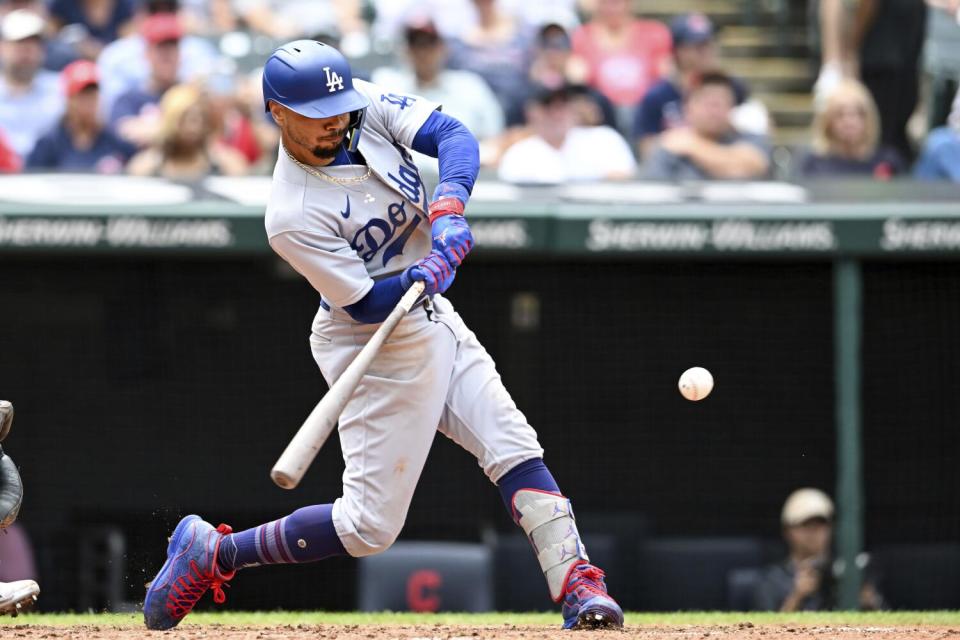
456	632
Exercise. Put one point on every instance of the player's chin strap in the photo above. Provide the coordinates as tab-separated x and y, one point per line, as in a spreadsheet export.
355	128
547	519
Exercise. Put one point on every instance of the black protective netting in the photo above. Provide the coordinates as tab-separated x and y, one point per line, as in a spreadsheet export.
911	376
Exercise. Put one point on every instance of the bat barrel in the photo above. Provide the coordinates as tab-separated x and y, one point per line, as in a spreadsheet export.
304	446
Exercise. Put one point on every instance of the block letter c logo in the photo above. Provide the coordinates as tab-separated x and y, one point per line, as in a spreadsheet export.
423	590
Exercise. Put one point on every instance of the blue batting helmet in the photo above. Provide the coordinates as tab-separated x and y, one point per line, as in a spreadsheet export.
314	80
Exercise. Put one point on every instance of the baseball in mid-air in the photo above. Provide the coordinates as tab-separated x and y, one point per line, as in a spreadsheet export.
696	383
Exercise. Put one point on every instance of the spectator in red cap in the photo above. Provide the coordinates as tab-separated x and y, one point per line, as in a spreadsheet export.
134	116
124	65
80	142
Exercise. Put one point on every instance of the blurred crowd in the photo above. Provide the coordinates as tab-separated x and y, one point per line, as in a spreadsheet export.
555	90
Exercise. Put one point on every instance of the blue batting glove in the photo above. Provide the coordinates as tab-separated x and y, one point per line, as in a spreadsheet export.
434	271
450	231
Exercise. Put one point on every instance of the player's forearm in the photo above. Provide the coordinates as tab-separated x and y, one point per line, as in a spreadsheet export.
457	152
833	28
374	307
730	162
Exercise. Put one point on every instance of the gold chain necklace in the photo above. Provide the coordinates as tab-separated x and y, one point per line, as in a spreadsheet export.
323	176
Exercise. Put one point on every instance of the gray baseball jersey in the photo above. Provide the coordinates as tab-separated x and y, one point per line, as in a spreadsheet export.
341	236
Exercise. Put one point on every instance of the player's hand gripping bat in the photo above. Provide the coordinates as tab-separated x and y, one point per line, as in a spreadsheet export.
303	448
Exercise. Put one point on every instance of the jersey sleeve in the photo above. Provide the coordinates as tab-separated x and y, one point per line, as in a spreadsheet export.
327	262
397	115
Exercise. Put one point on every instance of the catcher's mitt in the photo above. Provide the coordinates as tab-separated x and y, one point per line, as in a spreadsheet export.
11	487
11	491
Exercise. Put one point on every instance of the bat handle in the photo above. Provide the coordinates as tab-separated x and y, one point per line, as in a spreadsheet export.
283	479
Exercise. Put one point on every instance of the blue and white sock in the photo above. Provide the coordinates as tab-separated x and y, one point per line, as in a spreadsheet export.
306	535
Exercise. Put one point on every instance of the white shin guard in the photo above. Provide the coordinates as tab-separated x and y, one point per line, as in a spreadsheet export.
548	521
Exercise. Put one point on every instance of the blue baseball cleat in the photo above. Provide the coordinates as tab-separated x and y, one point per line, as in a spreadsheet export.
586	603
190	569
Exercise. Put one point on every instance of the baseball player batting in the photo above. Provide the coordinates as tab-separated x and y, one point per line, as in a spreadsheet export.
348	210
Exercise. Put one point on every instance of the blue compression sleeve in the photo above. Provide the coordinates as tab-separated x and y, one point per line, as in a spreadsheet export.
532	474
448	140
379	301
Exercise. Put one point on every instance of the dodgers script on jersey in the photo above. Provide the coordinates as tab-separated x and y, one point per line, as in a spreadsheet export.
321	228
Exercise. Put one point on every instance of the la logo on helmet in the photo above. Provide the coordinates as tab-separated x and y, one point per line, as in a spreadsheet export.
334	81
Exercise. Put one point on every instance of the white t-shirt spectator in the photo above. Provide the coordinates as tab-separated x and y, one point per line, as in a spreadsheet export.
463	94
26	117
587	154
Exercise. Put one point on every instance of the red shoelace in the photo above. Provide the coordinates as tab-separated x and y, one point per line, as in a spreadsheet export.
187	590
590	578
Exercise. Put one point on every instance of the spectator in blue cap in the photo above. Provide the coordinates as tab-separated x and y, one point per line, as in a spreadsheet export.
694	53
708	147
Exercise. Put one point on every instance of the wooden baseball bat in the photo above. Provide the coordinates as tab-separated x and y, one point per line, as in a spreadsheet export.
303	448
